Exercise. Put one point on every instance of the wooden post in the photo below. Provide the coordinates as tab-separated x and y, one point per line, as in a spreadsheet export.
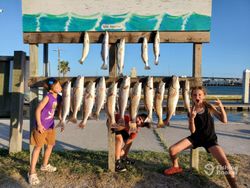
245	83
17	101
46	59
33	91
197	59
111	135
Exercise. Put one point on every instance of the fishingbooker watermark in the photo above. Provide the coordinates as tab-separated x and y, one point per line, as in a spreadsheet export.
211	169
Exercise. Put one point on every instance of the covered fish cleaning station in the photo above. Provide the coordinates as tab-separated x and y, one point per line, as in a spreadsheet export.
46	22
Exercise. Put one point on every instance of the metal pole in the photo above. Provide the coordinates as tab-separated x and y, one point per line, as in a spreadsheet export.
58	50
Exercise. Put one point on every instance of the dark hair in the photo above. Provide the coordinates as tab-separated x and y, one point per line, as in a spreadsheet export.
144	117
50	82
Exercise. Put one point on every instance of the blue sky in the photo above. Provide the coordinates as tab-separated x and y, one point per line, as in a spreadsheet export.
227	54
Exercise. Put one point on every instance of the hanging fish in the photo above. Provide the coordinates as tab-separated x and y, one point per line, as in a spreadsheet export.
173	97
185	95
156	47
159	97
89	99
77	97
144	53
100	96
120	56
123	98
135	97
85	50
111	103
65	103
149	97
105	51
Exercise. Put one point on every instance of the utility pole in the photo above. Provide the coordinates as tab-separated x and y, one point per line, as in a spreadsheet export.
58	54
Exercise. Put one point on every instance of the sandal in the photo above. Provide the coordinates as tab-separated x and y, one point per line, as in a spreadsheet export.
33	179
48	168
173	170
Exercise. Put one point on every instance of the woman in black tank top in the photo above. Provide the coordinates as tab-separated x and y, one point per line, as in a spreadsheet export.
201	126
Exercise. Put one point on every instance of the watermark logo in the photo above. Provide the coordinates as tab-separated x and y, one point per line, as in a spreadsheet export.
211	169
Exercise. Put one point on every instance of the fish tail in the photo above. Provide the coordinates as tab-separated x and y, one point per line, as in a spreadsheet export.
104	66
156	62
160	124
81	61
96	115
82	125
121	122
166	121
73	119
147	67
61	124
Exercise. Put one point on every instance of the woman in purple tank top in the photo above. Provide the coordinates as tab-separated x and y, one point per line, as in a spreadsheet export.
44	132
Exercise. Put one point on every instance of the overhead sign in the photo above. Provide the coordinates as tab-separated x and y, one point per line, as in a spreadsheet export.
116	15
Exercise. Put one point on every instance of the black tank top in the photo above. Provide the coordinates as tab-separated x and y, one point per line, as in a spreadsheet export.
204	127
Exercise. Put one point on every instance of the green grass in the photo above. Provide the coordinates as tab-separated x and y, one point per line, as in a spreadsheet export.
94	164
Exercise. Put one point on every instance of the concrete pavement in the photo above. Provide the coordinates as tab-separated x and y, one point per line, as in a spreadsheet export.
233	137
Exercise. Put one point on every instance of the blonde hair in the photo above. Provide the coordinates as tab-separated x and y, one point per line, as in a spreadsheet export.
199	88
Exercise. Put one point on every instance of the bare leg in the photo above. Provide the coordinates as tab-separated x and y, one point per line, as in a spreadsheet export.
126	149
118	146
47	154
177	148
34	159
220	156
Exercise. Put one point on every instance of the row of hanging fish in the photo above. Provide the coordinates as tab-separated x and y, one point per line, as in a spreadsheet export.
93	98
121	51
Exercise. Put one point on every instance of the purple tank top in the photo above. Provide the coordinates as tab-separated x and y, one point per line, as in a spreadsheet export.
48	112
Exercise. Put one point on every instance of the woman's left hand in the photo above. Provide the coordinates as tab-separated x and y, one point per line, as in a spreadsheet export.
218	102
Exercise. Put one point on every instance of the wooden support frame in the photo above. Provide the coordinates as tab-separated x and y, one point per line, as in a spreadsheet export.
130	37
197	60
33	90
17	100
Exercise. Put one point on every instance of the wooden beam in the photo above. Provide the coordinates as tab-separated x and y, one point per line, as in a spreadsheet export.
111	134
39	81
130	37
33	72
17	101
197	60
197	57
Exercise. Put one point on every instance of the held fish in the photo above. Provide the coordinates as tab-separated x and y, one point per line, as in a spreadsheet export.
105	51
120	56
85	50
159	96
173	97
156	48
89	99
100	96
185	94
65	104
123	98
144	53
77	97
135	97
149	98
111	103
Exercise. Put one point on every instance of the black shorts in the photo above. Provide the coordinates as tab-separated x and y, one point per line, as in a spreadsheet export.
197	143
124	134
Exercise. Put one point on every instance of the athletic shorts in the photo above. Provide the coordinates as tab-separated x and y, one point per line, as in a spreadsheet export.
124	134
197	143
39	139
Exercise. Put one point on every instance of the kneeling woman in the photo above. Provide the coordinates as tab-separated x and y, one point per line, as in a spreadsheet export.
201	125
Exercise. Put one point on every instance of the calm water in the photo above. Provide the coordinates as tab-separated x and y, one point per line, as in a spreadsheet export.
224	90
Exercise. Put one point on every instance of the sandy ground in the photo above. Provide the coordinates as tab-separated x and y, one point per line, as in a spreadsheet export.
233	137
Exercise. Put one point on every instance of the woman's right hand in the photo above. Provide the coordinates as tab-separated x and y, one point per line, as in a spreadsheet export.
193	112
40	129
